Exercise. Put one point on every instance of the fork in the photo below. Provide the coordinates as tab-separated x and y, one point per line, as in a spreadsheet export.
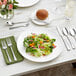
4	46
72	33
13	23
9	43
27	24
65	32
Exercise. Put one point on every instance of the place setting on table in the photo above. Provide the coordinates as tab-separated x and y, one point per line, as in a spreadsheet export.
37	45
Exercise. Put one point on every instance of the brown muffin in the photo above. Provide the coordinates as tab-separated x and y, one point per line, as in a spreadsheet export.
42	14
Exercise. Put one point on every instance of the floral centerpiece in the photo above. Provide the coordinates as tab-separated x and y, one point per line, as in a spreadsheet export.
7	8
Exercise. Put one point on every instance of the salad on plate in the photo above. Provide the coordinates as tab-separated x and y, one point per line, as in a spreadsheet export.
39	45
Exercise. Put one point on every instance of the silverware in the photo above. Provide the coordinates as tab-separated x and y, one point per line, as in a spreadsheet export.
66	45
25	25
65	33
72	33
9	43
4	46
74	29
13	23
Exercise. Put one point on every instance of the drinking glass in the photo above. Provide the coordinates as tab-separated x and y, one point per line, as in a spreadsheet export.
65	9
69	9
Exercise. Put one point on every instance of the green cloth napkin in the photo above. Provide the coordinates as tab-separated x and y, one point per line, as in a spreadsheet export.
14	47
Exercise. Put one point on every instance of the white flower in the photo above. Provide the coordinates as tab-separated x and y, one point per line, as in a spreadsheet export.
3	6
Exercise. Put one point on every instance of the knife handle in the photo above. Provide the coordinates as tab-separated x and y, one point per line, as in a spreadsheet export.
72	45
66	45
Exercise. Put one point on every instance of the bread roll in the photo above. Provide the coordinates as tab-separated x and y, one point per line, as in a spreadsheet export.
42	14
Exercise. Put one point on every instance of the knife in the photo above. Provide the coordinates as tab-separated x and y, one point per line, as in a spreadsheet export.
59	31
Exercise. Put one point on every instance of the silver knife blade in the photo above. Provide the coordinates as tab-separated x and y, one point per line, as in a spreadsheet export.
59	31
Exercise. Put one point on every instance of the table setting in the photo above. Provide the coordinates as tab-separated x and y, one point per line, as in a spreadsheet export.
36	34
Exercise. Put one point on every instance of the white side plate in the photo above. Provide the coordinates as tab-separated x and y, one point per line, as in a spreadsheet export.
39	22
27	3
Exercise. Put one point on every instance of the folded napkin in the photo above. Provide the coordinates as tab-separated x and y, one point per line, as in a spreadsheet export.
14	47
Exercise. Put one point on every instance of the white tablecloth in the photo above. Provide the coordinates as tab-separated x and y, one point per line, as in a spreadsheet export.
27	66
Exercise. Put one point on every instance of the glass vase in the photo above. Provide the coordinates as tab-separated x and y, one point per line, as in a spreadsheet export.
6	9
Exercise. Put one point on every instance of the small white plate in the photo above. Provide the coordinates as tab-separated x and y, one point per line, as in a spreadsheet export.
27	3
40	22
52	34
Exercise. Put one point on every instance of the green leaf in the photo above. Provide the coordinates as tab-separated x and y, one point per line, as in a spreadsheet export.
3	11
31	50
50	49
15	2
53	40
15	6
28	49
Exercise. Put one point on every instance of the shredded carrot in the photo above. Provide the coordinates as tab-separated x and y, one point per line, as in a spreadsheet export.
30	45
33	44
47	40
33	36
41	42
53	44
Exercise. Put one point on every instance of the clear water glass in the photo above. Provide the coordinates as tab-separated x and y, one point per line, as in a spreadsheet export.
69	9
